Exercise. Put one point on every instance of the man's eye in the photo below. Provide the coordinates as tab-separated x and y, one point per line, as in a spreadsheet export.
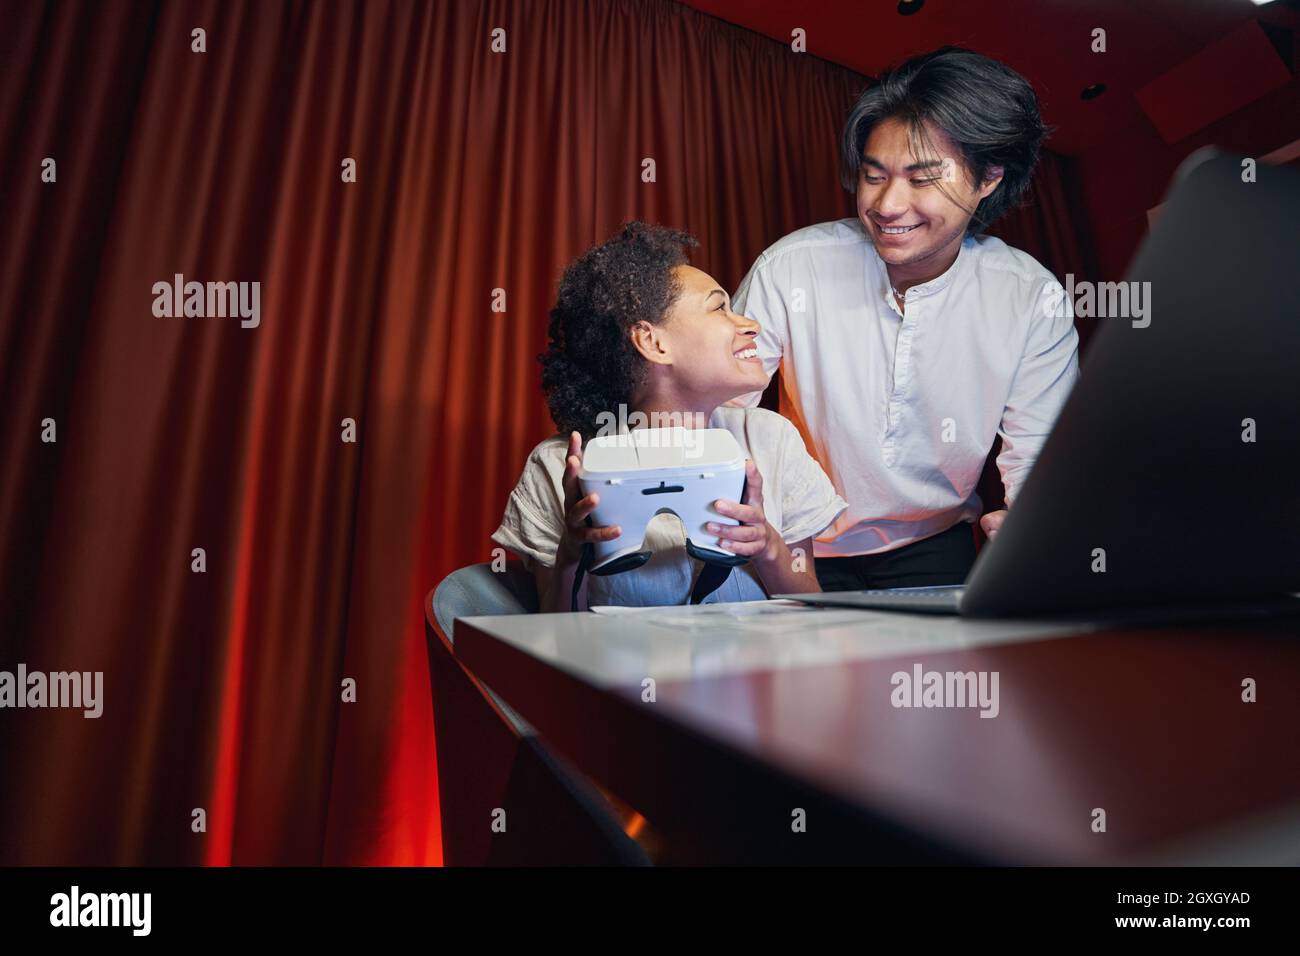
925	182
874	180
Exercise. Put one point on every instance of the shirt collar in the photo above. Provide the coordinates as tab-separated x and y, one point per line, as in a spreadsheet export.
937	284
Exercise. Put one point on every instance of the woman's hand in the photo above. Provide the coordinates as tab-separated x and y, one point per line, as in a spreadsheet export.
576	509
780	570
754	537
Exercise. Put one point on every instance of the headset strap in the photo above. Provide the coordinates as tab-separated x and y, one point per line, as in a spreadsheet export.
710	579
585	560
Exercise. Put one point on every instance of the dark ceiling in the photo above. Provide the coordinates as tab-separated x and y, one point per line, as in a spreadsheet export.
1049	41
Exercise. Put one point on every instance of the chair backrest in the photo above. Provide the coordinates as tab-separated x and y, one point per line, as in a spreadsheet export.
581	825
477	589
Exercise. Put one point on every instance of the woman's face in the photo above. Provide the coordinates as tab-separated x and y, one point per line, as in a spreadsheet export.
706	349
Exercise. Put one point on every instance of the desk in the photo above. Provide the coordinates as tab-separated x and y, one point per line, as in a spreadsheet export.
762	712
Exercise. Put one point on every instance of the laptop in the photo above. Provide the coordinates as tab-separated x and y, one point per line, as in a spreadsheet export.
1172	476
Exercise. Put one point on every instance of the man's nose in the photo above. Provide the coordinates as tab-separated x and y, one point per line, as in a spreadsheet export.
891	201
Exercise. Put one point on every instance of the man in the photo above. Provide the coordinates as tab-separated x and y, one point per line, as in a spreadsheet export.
907	339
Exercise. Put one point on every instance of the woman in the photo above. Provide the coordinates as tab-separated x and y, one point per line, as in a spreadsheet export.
636	329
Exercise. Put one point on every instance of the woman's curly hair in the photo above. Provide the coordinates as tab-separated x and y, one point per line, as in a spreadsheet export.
590	365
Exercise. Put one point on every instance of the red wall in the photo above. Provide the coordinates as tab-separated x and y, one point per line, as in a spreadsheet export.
1124	177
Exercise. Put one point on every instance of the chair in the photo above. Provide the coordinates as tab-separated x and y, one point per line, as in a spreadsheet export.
477	590
489	757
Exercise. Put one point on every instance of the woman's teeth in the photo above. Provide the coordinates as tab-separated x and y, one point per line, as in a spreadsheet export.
746	353
897	230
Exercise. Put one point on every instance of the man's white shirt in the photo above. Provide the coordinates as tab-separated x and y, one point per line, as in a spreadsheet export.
902	409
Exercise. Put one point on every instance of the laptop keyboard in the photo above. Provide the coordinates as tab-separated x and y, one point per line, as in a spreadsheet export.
937	596
940	599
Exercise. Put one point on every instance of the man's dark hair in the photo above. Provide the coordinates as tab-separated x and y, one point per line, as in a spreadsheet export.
590	365
989	110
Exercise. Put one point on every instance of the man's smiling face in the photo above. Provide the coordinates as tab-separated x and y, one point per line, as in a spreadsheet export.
915	207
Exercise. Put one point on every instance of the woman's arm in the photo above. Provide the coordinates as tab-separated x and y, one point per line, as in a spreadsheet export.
555	587
779	569
555	584
784	572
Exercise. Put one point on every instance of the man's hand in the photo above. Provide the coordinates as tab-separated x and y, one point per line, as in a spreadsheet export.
992	522
753	537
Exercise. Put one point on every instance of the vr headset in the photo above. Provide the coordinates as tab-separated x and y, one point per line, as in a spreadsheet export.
646	472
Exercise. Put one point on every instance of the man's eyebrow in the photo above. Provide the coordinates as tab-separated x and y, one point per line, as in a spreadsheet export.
914	167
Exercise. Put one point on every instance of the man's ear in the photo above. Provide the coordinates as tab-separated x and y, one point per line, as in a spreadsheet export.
991	180
651	341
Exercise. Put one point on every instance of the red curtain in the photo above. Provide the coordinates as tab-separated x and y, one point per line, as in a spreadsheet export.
476	171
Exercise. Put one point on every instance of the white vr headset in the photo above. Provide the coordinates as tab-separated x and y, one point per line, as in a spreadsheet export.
646	472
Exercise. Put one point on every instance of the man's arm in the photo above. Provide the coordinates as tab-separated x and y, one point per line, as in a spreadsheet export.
1048	369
